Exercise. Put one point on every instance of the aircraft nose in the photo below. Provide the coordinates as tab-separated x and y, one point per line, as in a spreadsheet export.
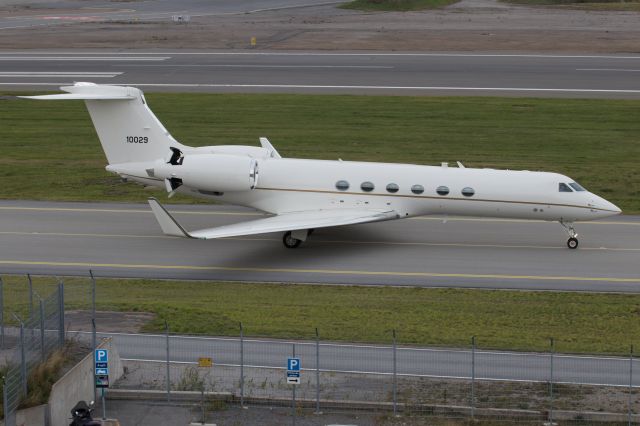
605	207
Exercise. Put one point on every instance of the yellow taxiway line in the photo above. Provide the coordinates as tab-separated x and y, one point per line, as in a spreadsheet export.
319	271
320	241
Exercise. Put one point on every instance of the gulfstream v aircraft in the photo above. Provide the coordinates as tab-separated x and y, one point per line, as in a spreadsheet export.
302	195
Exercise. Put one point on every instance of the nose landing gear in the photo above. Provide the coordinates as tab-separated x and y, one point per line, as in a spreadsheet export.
572	242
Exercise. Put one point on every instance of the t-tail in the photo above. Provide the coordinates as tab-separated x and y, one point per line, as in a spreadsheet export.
139	148
128	130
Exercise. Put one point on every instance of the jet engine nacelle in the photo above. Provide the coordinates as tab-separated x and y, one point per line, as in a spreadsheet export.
212	172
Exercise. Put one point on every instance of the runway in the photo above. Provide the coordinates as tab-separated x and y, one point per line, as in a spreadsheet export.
123	240
485	74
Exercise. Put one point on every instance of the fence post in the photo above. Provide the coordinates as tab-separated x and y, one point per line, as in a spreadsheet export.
241	365
473	376
166	330
293	393
23	359
395	378
552	349
94	337
42	345
5	404
30	296
61	312
1	313
630	382
94	345
317	373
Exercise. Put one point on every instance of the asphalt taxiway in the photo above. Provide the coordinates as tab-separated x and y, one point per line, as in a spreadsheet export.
124	240
594	76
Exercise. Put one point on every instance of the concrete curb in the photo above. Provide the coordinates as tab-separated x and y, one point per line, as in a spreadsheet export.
194	397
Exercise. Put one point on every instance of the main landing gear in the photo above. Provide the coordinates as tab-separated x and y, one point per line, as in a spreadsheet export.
289	241
293	239
572	242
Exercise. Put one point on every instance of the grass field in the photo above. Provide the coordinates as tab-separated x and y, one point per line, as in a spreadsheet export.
591	323
396	5
50	150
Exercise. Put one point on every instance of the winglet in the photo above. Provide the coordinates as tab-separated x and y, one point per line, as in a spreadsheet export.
167	222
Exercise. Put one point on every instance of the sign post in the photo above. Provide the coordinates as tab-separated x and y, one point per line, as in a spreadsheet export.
102	374
293	378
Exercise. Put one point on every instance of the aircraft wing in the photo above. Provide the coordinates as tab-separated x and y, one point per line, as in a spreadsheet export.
284	222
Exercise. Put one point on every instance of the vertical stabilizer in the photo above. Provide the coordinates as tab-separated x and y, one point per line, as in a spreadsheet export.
128	130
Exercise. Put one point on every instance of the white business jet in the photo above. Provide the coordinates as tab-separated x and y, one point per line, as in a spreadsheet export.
302	195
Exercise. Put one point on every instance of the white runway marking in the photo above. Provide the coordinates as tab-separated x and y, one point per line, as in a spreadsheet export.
352	87
606	69
83	58
416	54
56	74
268	66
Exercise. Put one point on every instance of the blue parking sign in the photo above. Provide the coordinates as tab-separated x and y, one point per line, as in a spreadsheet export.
102	355
293	364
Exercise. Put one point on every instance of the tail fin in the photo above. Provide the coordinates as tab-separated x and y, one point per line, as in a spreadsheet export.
128	130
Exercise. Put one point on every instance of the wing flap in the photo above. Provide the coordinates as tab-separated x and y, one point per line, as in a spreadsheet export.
284	222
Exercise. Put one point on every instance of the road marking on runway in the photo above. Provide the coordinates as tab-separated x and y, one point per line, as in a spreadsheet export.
319	241
93	210
368	87
319	271
416	54
606	69
351	87
267	66
57	74
84	58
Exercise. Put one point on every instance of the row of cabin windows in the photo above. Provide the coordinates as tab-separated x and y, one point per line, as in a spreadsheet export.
343	185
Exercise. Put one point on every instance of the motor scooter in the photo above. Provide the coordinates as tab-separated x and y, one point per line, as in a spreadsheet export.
81	415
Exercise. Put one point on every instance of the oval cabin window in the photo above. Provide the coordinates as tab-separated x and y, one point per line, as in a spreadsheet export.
367	186
468	192
342	185
393	188
442	190
417	189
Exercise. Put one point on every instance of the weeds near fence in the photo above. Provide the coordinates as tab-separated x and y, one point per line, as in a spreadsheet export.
44	375
190	380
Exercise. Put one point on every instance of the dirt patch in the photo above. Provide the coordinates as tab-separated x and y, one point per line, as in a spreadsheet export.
108	322
469	25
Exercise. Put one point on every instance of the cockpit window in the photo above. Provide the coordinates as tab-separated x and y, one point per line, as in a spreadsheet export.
577	186
563	187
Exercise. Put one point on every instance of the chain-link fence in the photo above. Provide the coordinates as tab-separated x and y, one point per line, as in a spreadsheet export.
36	337
470	382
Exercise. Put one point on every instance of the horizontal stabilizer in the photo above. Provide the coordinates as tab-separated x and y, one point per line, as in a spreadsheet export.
91	92
81	96
284	222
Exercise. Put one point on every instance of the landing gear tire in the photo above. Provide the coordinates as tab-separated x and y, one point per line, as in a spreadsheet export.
572	243
289	241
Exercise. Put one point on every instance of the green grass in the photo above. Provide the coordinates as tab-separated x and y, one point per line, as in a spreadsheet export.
580	322
605	5
396	5
50	150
